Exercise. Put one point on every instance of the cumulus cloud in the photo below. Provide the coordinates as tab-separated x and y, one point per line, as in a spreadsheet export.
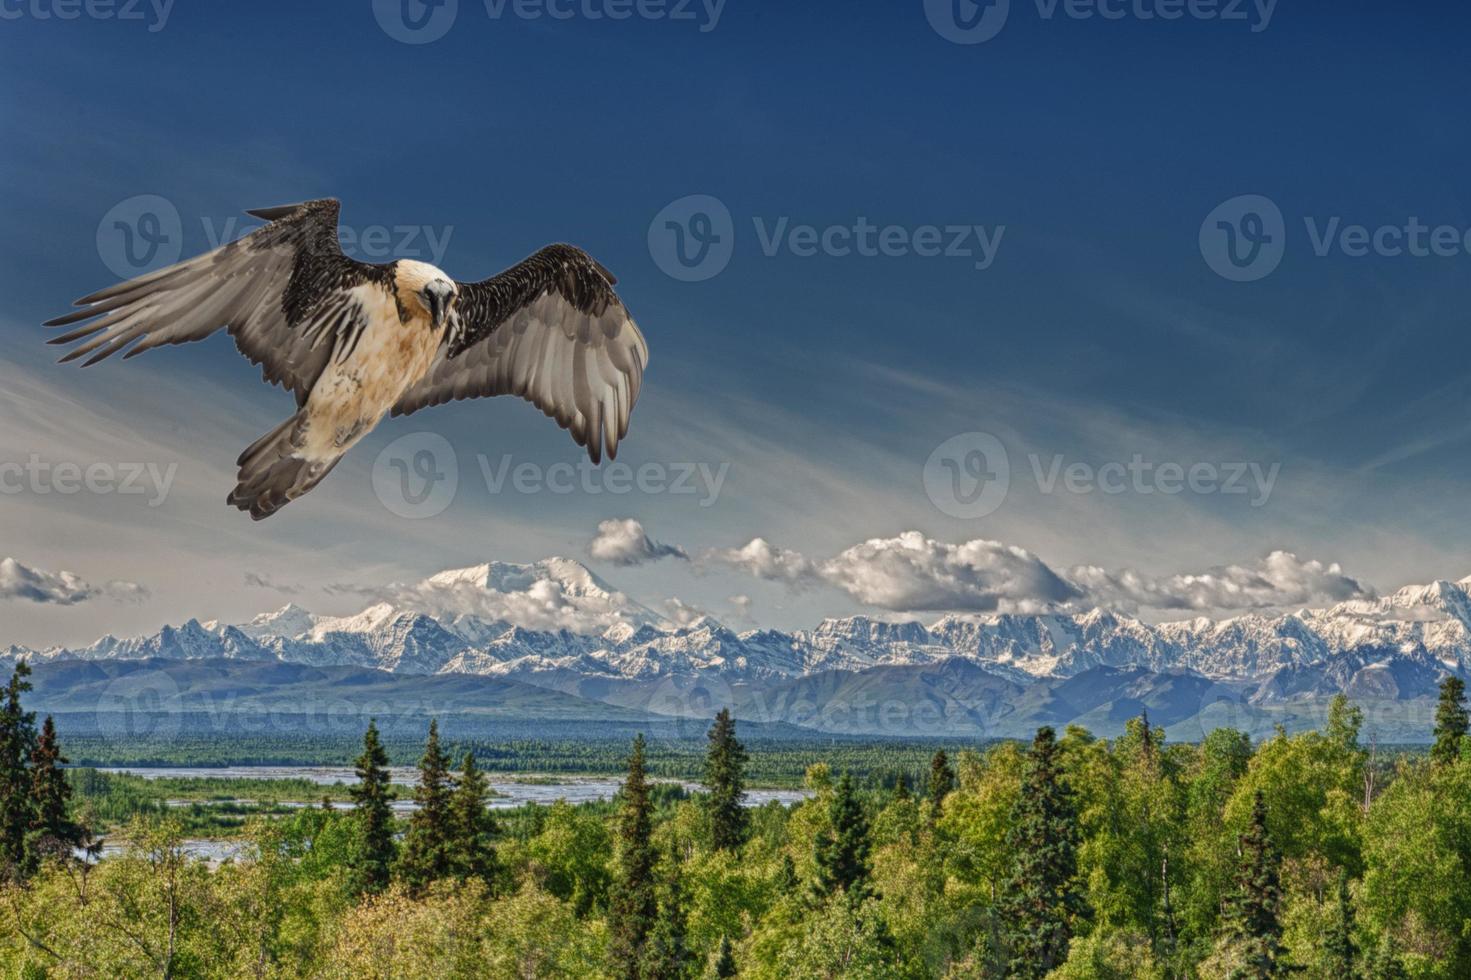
624	542
29	584
761	560
915	573
1279	579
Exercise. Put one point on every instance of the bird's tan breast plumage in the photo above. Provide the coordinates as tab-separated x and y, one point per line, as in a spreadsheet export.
356	390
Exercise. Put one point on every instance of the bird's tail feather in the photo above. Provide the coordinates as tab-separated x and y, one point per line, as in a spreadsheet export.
271	475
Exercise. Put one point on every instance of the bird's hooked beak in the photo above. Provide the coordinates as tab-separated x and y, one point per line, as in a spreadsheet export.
437	296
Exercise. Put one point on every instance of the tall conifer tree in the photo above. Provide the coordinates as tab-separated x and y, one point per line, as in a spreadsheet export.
634	905
1041	900
17	739
372	858
472	826
426	847
1384	962
51	830
667	955
842	848
725	777
1343	952
1451	721
1252	917
942	782
724	965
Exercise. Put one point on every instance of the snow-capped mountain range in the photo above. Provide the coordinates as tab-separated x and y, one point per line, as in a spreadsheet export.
556	618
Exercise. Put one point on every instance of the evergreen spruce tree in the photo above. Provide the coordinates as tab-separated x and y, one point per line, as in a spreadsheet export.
1041	900
724	964
841	849
901	787
1339	943
634	906
426	855
472	826
1384	963
1251	919
1450	721
51	831
942	782
725	775
787	882
17	739
666	955
372	858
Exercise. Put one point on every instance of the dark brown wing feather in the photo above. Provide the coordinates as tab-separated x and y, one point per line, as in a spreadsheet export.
550	330
285	293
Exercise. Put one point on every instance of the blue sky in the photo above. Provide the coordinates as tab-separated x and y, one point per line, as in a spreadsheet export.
1091	150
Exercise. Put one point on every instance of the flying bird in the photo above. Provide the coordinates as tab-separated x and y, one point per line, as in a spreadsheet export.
354	341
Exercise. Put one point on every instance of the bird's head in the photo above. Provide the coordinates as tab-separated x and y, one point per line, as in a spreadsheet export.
434	293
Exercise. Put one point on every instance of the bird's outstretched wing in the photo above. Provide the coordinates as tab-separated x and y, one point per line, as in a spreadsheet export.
285	291
552	331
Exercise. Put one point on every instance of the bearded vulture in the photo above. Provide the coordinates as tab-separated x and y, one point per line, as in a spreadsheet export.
355	341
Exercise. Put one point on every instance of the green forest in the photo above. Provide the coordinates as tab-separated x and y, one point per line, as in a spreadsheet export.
1316	855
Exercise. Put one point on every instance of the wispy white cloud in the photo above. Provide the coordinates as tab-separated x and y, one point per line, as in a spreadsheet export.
255	580
742	605
681	613
1280	579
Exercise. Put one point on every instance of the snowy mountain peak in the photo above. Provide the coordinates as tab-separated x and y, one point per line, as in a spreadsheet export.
503	576
556	620
291	621
557	592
